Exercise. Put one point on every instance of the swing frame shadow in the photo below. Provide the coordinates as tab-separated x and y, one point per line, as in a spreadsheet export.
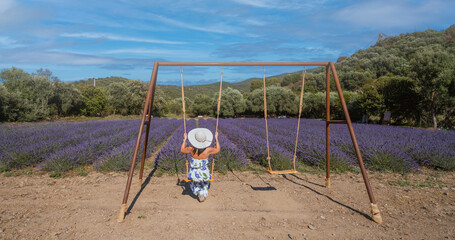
330	68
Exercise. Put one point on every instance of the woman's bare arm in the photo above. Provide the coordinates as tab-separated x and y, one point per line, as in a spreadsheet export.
184	148
217	148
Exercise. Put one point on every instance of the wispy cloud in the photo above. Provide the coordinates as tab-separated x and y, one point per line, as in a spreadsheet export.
30	56
7	42
159	52
91	35
13	13
391	14
215	28
278	4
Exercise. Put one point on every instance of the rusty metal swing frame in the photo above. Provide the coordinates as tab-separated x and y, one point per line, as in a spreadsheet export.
146	117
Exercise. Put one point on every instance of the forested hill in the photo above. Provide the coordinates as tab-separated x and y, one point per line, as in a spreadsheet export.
398	55
172	91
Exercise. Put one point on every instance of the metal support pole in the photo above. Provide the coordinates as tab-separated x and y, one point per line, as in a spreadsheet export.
144	151
376	215
327	128
150	92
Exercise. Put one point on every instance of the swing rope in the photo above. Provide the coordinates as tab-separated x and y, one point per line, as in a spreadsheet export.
300	113
269	168
218	115
184	121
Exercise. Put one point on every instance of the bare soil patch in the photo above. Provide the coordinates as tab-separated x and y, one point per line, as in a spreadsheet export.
241	205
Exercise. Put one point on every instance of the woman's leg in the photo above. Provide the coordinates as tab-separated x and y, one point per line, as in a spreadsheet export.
200	188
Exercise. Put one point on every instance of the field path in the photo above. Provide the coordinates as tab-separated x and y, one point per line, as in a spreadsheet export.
241	205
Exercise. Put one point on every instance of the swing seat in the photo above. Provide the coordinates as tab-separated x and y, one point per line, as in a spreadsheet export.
282	172
188	180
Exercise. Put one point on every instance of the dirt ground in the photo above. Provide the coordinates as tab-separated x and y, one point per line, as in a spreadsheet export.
241	205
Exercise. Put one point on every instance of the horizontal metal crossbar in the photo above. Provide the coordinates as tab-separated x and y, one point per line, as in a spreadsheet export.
338	121
243	63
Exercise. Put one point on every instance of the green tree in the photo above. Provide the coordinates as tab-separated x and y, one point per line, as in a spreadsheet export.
119	97
371	102
314	105
202	105
280	101
95	101
400	97
175	105
138	91
259	83
291	78
256	84
232	103
431	68
4	103
66	100
33	92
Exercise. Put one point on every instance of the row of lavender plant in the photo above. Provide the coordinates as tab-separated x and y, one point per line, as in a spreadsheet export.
255	146
120	157
382	147
311	147
95	148
169	157
19	151
230	157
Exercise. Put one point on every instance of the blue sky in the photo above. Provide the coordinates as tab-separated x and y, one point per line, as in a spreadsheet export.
88	38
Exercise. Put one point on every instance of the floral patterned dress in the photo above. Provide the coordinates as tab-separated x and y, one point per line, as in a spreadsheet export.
199	174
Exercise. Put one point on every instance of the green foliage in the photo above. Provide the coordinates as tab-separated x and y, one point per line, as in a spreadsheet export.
256	84
280	101
291	78
400	97
259	83
118	97
432	68
28	95
202	105
175	105
95	100
370	101
138	92
4	103
232	103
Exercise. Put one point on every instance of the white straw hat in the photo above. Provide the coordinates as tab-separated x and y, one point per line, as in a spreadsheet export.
200	137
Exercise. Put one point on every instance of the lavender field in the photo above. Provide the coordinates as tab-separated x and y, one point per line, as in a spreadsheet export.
107	145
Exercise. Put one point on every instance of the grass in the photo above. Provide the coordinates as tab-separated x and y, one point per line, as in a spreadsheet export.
422	180
383	162
254	168
20	172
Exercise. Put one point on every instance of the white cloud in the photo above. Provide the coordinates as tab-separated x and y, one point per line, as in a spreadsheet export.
391	14
279	4
159	52
13	13
53	57
6	41
215	28
117	38
6	5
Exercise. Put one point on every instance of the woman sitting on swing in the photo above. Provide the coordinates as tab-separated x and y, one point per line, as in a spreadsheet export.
199	172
